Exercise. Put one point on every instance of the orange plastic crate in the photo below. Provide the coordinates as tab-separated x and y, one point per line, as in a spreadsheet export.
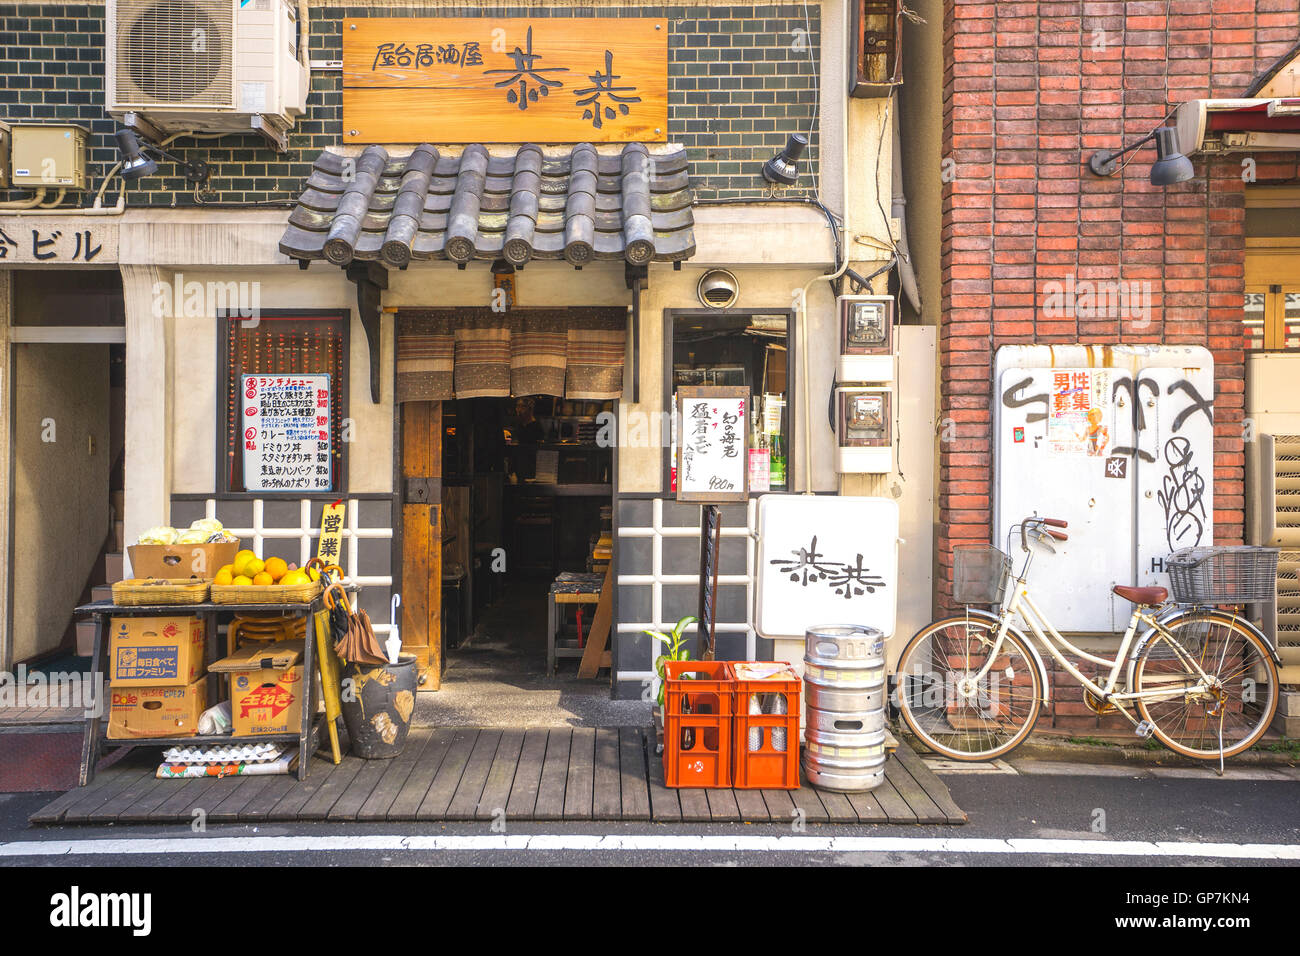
765	747
697	724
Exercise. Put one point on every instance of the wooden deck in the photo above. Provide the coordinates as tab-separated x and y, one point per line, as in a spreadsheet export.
565	773
41	719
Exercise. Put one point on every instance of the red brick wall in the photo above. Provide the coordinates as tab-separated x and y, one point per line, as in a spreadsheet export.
1030	91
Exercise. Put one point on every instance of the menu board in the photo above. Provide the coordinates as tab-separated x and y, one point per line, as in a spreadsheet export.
712	443
286	420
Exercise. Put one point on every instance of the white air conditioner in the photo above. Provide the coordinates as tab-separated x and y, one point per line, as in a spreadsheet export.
223	66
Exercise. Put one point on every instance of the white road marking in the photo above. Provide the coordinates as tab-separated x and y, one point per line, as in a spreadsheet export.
662	843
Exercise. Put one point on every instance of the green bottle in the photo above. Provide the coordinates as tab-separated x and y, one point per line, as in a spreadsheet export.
777	447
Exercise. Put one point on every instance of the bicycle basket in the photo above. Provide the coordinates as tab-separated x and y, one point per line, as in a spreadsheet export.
1227	575
979	575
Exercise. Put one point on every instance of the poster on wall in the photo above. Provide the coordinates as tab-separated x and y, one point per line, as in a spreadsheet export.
826	560
286	421
1079	412
712	448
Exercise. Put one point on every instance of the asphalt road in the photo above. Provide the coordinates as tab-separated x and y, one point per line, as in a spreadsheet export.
1040	820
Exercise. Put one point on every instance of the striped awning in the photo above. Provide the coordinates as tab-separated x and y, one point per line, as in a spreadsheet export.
576	204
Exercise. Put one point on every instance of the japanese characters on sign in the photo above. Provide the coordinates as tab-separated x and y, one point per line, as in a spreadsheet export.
1079	412
67	242
712	453
552	79
286	432
330	547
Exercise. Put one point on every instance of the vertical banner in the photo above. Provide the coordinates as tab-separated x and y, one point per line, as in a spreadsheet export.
330	546
287	442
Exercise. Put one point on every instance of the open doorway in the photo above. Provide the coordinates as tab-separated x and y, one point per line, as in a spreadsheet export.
67	369
527	501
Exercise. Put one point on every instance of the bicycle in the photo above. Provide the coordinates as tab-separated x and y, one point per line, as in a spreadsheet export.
1204	681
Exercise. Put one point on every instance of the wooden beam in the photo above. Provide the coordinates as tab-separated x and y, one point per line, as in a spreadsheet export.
595	656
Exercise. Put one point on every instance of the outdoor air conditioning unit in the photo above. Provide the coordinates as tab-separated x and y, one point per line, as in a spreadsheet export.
223	66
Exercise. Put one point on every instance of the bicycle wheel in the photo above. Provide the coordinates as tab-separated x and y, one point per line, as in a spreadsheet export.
951	713
1232	710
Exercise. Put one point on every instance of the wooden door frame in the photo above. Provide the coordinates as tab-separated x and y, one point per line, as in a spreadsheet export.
415	525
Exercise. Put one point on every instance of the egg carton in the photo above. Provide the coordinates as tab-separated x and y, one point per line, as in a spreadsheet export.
224	753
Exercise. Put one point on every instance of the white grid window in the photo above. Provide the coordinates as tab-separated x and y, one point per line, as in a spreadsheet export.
657	578
306	535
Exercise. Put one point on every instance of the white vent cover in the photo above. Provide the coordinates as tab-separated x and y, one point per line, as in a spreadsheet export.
174	53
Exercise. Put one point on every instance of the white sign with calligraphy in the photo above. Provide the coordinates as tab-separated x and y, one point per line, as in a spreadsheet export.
286	422
712	447
826	559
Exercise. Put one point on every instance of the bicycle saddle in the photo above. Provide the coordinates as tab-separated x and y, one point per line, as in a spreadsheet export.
1145	596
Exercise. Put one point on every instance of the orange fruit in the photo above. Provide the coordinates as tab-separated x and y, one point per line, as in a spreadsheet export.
225	576
276	568
242	580
262	579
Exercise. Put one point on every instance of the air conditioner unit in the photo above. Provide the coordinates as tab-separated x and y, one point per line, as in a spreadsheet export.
223	66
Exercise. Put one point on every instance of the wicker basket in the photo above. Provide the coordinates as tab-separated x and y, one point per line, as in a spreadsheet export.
137	592
1230	575
265	593
979	575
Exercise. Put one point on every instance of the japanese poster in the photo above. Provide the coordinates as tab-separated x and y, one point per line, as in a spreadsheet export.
287	445
478	80
712	450
1079	412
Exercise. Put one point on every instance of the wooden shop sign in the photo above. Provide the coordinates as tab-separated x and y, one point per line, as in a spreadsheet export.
486	80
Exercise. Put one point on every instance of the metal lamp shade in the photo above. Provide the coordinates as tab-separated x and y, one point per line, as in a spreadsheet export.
1170	166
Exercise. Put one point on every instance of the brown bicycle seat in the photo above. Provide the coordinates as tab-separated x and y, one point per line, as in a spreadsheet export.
1141	595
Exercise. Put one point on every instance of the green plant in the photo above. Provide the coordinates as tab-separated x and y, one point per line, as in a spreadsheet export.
676	651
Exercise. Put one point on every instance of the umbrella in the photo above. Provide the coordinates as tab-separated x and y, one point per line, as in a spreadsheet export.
354	638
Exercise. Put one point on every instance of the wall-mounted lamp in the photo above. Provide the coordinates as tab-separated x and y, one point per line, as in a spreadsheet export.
136	162
1170	166
783	168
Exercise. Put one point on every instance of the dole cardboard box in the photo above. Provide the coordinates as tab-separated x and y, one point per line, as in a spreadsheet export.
266	688
181	560
137	712
155	651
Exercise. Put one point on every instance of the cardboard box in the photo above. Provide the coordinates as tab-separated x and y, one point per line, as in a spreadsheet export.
155	651
181	560
266	688
136	712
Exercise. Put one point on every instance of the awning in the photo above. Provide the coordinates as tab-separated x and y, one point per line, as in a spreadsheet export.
577	204
1238	125
1266	117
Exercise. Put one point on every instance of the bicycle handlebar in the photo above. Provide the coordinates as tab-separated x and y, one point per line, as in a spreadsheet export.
1050	523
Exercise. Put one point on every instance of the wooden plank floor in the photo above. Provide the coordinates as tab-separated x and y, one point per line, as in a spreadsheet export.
562	773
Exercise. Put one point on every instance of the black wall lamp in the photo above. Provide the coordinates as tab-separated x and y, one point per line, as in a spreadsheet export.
1170	166
136	162
783	168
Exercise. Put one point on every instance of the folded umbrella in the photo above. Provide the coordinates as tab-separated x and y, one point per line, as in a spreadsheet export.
354	638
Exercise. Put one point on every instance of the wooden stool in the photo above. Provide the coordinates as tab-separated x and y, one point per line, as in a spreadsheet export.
555	620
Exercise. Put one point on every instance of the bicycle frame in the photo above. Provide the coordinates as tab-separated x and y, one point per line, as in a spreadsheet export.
1021	605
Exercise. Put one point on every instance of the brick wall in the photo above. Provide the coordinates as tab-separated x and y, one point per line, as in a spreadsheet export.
1031	90
740	80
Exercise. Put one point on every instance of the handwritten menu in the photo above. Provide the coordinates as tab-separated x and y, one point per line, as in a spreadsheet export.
286	420
712	447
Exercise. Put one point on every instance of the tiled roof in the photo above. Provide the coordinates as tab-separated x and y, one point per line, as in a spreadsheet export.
576	204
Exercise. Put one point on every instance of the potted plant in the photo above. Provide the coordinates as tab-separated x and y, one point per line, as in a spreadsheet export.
675	650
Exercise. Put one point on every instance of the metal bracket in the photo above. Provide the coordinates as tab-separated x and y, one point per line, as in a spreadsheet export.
370	278
422	491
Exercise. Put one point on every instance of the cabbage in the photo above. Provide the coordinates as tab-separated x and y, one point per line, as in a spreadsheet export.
192	536
158	535
208	526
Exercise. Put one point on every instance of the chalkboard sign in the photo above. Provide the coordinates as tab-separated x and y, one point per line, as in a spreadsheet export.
712	443
286	430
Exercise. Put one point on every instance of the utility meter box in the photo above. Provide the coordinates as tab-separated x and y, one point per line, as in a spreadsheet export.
866	338
864	430
50	156
4	155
